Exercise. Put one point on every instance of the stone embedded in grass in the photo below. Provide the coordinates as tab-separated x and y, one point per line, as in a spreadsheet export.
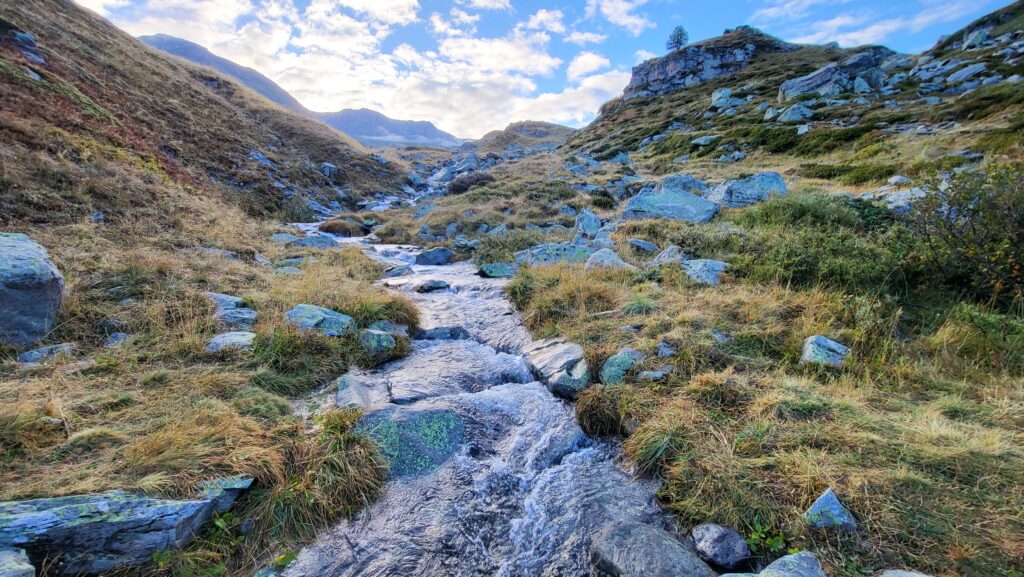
31	289
614	370
665	350
415	440
15	563
827	512
435	257
720	545
670	203
288	270
389	327
283	237
553	253
560	365
671	255
432	285
320	319
237	319
44	354
607	259
704	270
819	350
704	140
902	573
587	223
377	342
315	241
498	270
748	191
397	271
99	533
233	341
797	113
643	245
116	339
632	549
802	564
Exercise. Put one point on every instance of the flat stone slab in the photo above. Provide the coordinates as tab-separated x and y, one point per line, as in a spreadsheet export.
632	549
560	365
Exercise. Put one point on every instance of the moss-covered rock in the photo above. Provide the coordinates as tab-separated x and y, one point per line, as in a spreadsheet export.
415	440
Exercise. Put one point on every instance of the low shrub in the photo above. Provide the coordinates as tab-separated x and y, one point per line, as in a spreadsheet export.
461	184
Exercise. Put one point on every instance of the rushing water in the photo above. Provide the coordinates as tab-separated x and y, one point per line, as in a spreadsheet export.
526	490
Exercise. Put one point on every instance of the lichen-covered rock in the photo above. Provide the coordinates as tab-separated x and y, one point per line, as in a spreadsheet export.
560	365
643	245
415	440
15	563
823	351
553	253
799	112
614	370
632	549
827	512
607	259
233	341
443	334
320	319
587	223
44	354
671	203
397	271
351	393
231	311
31	289
748	191
705	271
671	255
720	546
498	270
377	342
92	534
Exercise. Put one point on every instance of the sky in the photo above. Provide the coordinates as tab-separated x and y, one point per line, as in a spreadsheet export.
471	66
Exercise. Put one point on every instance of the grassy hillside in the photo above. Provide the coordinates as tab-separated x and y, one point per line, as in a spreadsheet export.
151	181
527	134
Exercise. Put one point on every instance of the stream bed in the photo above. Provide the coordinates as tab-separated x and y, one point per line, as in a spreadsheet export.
524	491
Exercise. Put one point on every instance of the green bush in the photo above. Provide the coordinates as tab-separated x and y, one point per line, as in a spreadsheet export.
817	210
972	232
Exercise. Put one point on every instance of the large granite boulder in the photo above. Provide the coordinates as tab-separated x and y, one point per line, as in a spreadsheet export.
560	365
606	258
720	546
632	549
553	253
498	270
320	319
15	563
414	439
98	533
31	288
669	202
587	223
748	191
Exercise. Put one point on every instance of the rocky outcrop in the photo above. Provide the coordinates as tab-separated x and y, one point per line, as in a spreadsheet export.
30	290
632	549
748	191
698	63
560	365
837	78
675	198
92	534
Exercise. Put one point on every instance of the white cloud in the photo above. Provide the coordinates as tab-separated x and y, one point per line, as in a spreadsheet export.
461	23
583	38
384	11
550	20
621	13
865	28
586	63
102	6
642	55
487	4
788	10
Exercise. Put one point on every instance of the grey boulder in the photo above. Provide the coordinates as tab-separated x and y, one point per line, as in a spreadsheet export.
553	253
587	223
748	191
233	341
705	271
720	546
671	255
802	564
31	289
44	354
614	370
796	113
607	259
670	203
560	365
632	549
498	270
315	241
819	350
15	563
323	320
377	342
435	256
93	534
232	312
827	512
643	245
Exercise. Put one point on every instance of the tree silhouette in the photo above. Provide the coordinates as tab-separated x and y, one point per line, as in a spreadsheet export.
677	39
